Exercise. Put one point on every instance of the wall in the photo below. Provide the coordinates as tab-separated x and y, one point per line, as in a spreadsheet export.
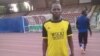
69	2
39	4
96	2
84	1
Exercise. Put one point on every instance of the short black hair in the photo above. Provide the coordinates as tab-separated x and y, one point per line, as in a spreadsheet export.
84	12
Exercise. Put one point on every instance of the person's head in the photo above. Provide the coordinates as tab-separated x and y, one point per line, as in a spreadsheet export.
84	13
56	11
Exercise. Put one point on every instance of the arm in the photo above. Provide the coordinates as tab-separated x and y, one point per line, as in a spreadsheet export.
44	46
70	41
45	41
77	24
89	27
90	31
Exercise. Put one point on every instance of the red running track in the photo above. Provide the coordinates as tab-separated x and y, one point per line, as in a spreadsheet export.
30	44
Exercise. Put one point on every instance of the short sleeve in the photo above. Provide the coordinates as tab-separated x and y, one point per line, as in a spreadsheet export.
44	32
69	31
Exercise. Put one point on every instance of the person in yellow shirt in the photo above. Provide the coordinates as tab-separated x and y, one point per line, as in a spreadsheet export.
57	34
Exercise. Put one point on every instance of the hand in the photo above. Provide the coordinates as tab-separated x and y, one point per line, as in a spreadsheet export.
44	55
90	33
71	54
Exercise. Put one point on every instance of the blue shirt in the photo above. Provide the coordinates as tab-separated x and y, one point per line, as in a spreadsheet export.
82	23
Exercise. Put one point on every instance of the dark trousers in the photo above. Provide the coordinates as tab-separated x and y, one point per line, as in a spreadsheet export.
83	38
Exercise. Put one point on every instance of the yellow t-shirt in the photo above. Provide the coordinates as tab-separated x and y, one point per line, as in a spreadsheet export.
56	33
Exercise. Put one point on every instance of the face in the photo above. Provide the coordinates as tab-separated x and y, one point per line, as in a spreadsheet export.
56	10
